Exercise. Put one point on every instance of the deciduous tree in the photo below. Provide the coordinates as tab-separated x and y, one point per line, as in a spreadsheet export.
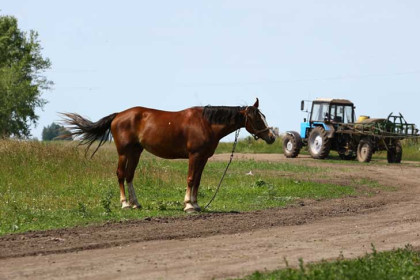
21	78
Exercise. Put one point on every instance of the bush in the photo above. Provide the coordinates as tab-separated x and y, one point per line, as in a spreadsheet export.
55	132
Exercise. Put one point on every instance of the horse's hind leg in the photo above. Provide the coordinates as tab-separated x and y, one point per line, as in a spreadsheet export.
133	160
121	172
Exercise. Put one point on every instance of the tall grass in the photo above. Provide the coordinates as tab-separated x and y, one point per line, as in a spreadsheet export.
411	150
52	185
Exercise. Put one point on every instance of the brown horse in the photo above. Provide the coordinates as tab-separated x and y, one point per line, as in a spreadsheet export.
192	134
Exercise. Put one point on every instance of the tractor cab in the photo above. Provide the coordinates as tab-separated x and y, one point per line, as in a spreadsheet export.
332	111
327	113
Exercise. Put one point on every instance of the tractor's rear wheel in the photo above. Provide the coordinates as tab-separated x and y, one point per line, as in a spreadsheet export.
291	146
394	154
364	150
318	143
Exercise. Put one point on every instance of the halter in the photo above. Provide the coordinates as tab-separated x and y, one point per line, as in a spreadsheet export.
256	132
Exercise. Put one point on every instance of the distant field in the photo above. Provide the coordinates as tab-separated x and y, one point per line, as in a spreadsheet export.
47	185
411	149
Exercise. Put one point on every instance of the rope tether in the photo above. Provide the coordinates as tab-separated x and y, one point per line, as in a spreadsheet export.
227	166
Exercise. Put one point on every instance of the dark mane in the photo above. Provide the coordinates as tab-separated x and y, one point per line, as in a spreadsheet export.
223	114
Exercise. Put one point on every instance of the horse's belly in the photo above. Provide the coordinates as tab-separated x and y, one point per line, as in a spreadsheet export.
167	154
165	150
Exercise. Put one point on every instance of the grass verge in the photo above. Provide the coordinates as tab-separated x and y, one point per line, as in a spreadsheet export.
396	264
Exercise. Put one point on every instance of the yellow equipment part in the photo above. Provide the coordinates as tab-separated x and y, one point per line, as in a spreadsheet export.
362	118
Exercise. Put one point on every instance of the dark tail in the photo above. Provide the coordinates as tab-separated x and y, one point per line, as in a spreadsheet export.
89	131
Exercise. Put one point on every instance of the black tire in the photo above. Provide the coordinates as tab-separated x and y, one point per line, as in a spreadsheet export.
347	155
364	150
291	146
394	153
319	144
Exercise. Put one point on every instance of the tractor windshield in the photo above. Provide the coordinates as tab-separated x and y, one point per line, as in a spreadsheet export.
320	112
341	113
337	113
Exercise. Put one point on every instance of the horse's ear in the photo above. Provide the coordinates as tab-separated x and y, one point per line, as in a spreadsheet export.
257	103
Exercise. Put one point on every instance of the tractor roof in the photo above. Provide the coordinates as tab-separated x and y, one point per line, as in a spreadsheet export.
336	101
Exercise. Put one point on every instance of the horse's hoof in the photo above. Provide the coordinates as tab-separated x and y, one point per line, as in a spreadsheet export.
137	206
190	210
125	205
196	207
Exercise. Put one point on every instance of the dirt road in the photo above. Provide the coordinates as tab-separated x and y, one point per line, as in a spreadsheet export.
221	245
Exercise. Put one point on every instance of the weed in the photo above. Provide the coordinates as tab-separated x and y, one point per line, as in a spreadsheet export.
82	210
106	201
260	183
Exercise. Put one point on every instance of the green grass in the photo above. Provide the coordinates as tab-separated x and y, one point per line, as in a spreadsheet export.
52	185
396	264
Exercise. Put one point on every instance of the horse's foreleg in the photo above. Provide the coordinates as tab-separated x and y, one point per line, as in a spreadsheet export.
133	202
188	207
133	160
122	162
195	169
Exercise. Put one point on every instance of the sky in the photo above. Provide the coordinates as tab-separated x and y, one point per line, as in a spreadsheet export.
108	56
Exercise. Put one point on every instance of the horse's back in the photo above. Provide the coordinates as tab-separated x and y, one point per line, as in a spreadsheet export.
163	133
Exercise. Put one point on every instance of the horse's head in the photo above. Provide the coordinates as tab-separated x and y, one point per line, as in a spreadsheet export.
256	124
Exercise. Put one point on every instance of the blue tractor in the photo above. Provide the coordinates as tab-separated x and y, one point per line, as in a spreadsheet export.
331	125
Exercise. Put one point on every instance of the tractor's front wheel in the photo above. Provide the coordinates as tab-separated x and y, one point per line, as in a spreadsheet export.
318	143
364	150
291	146
394	154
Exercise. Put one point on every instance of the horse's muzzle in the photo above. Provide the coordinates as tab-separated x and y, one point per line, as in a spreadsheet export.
270	137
